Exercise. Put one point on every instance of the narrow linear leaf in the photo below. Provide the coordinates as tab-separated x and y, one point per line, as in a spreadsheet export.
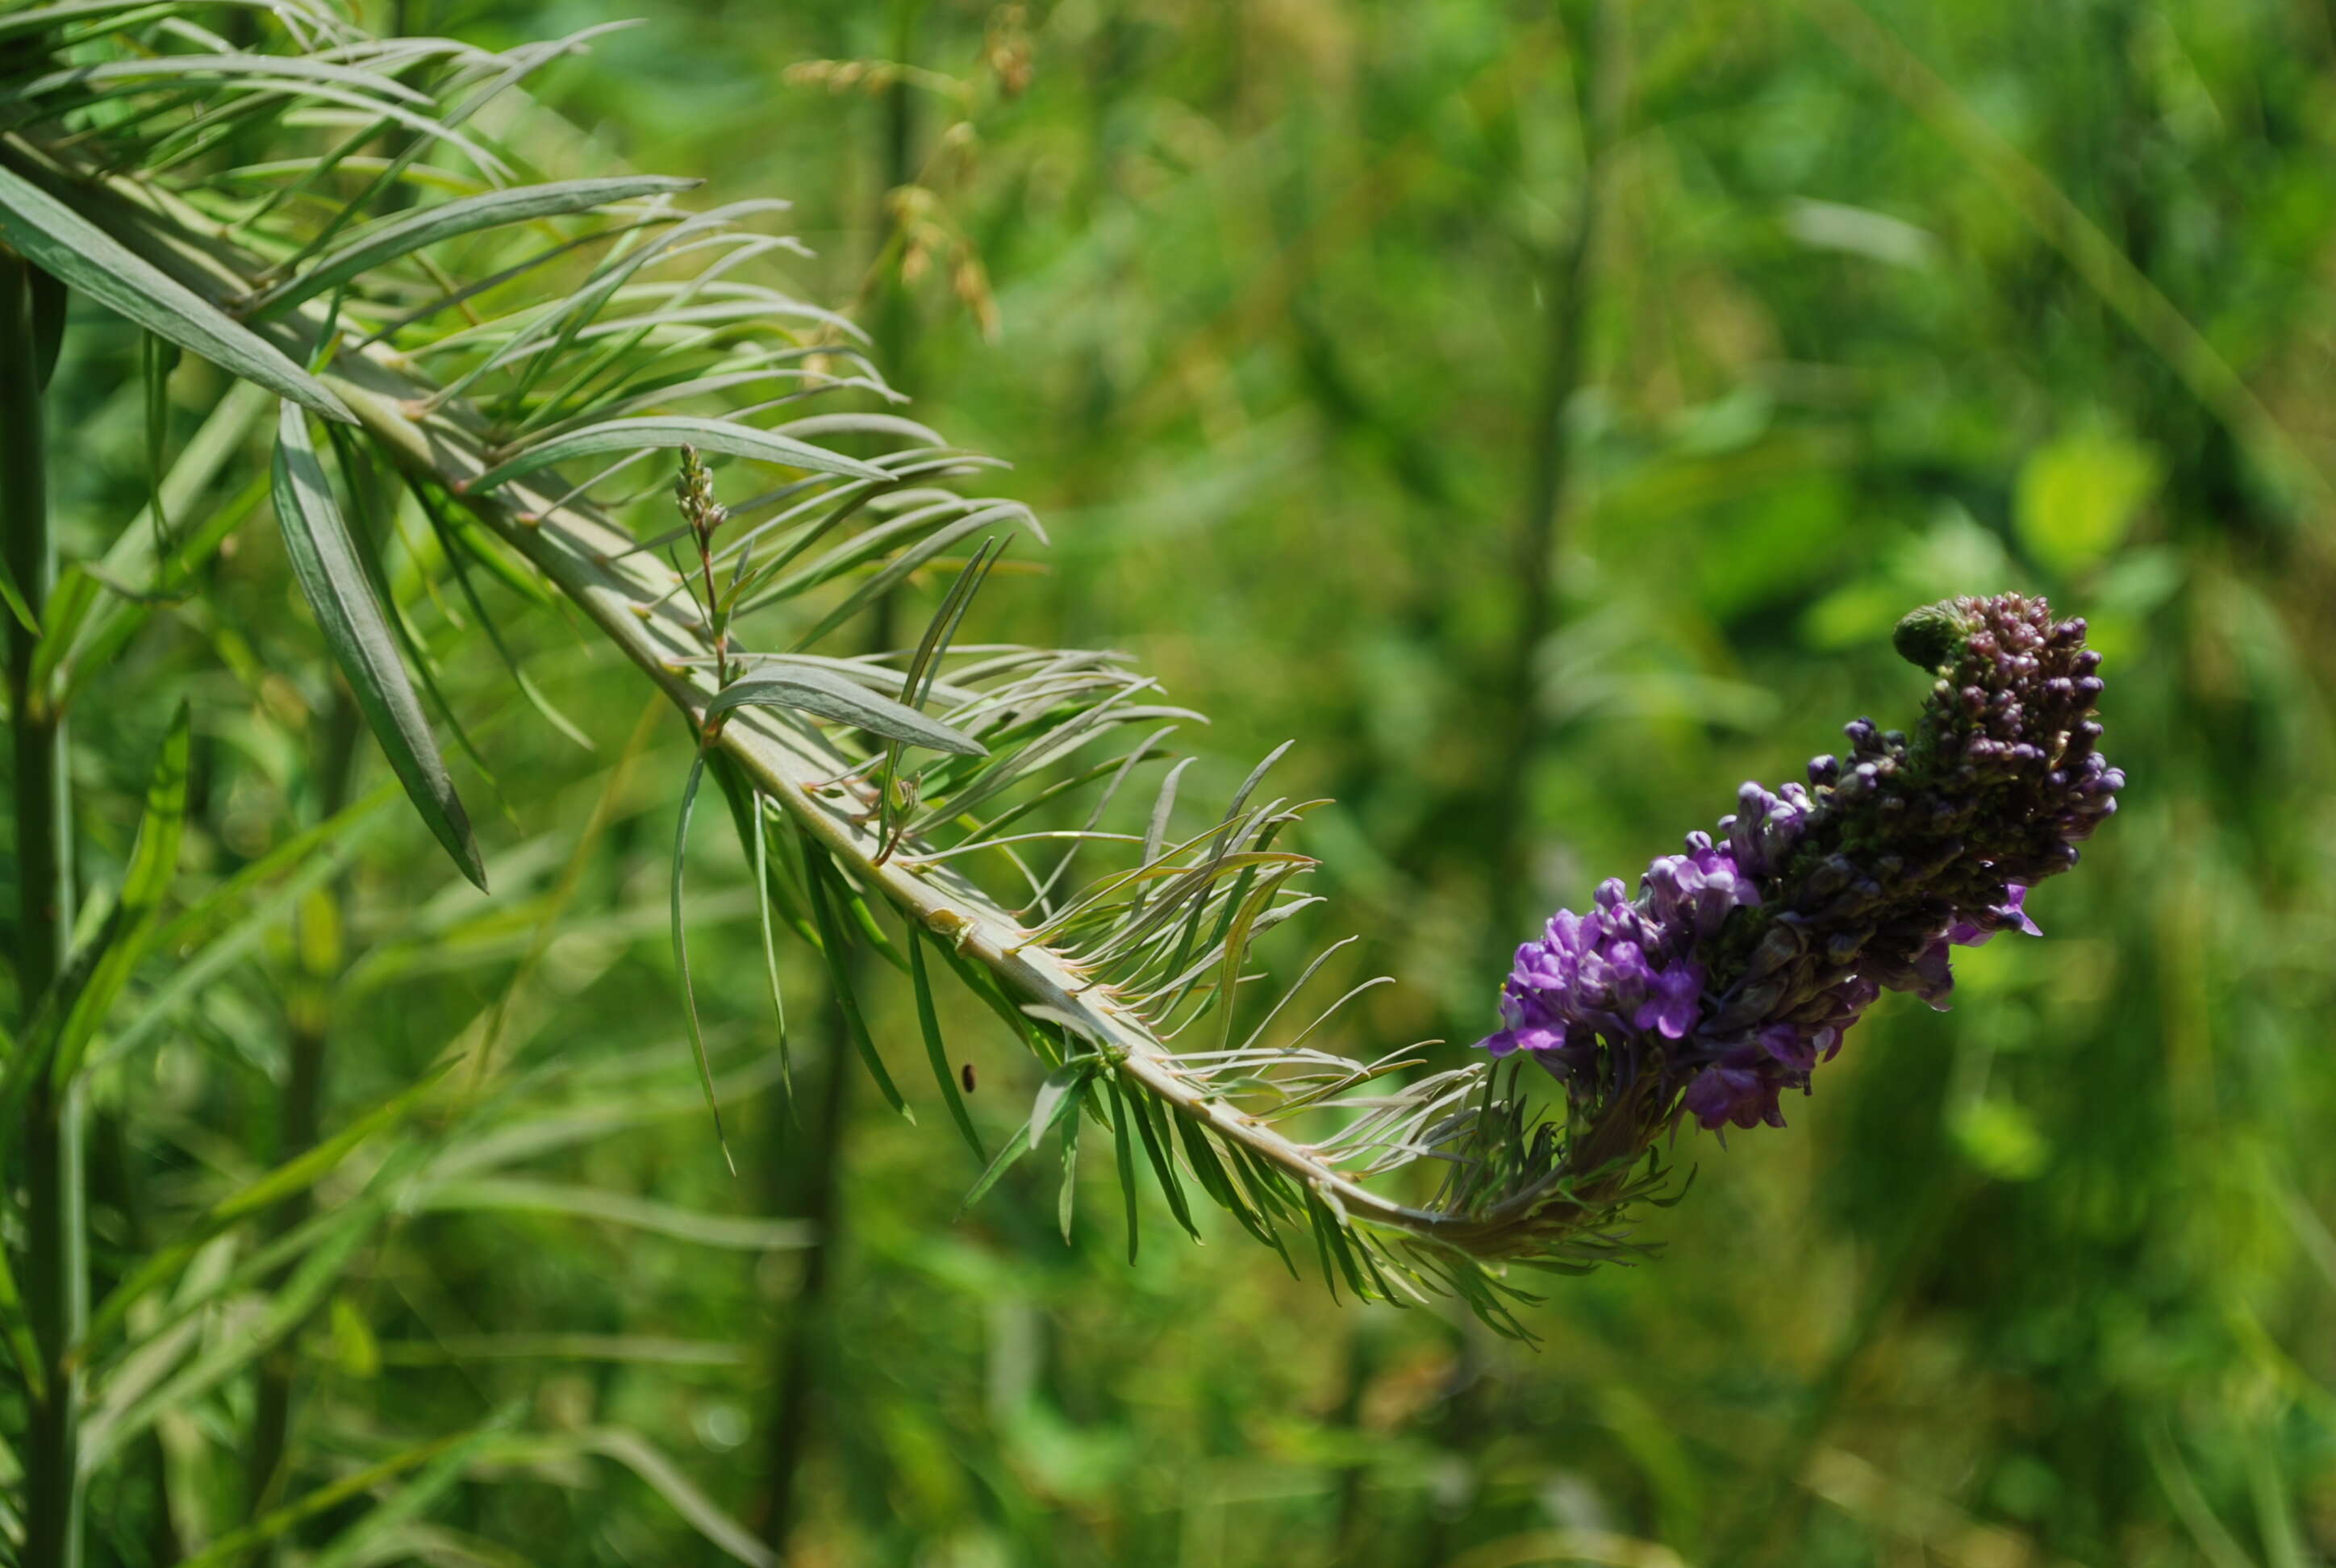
219	930
129	930
780	875
1162	1166
156	360
762	858
318	1274
410	231
70	1011
811	689
50	301
1067	1195
669	432
899	568
455	550
13	597
977	979
936	1049
75	595
332	578
1015	1147
830	937
1057	1096
1123	1153
681	953
41	18
62	243
863	425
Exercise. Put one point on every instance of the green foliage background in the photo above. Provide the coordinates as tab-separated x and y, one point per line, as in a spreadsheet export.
1874	305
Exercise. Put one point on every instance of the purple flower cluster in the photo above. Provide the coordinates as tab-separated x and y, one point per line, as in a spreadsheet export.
1741	964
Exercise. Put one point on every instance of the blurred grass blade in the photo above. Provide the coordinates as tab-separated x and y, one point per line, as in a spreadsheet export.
442	1464
936	1049
810	688
224	925
668	431
62	243
294	1175
334	579
287	1307
514	1195
633	1452
444	1458
13	597
408	232
70	1012
15	1333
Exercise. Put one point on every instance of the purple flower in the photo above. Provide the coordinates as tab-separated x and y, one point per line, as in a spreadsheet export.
1670	1010
1741	964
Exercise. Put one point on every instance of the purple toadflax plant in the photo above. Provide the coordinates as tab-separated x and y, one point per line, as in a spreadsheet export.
1742	963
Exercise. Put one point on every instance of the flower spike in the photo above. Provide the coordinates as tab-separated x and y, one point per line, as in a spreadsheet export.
1742	963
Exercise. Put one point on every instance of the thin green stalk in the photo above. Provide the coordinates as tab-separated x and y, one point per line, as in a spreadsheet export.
300	1117
809	1185
54	1276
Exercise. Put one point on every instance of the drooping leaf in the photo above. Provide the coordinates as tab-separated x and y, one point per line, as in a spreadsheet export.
812	688
332	578
62	242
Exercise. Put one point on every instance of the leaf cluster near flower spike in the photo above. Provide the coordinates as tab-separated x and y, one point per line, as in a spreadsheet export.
533	348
